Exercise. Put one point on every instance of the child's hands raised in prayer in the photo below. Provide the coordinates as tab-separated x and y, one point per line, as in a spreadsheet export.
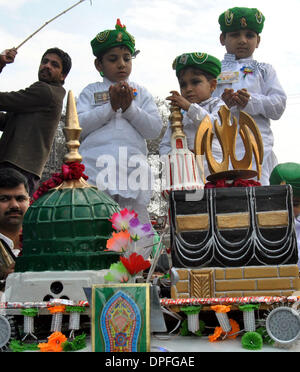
121	96
239	98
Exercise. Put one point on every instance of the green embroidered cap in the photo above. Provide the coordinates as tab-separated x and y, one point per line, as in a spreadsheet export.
108	39
235	19
288	173
203	61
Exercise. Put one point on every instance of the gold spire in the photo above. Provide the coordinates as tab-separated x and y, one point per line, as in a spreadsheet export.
72	131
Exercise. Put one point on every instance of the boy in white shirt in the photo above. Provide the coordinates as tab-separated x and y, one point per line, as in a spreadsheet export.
246	84
116	117
197	76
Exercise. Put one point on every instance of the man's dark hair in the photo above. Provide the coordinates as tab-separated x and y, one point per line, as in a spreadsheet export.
65	59
11	178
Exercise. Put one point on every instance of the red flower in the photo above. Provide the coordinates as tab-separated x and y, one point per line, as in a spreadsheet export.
70	171
209	185
217	183
244	183
135	263
222	183
236	183
73	171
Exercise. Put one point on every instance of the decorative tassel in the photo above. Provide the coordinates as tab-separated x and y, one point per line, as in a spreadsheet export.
57	315
74	320
29	315
192	313
249	316
56	322
221	314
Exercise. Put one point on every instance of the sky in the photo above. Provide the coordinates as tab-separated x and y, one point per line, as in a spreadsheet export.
162	29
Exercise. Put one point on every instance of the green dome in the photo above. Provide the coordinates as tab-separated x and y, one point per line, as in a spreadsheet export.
67	229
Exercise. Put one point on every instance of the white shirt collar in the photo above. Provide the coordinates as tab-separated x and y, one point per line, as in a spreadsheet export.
231	58
7	240
208	100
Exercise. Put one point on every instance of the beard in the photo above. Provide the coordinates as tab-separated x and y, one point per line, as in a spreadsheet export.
45	75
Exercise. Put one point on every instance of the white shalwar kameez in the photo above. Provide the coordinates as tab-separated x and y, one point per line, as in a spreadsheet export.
268	102
191	121
113	144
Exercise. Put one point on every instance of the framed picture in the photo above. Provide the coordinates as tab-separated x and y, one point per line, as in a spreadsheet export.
121	317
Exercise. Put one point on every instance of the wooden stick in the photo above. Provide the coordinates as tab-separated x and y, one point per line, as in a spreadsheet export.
156	257
46	23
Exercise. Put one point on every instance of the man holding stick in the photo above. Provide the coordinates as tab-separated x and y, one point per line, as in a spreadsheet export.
7	56
31	118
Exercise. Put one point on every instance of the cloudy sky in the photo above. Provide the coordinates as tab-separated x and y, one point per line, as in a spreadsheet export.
163	29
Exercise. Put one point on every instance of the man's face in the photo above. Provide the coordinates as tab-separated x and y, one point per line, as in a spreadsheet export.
50	70
14	203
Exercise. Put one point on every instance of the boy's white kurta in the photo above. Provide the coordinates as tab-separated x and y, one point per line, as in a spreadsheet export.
113	144
268	102
191	121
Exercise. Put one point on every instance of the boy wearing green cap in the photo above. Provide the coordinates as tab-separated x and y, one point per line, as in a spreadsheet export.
116	117
246	84
197	76
289	173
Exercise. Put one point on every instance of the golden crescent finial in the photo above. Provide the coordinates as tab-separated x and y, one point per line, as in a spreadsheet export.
227	134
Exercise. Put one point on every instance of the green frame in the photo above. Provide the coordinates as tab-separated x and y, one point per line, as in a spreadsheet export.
107	318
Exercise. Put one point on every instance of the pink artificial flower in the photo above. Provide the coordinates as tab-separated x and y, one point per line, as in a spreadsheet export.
135	263
138	230
120	221
119	242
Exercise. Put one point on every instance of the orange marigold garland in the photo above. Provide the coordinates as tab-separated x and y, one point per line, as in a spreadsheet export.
54	344
221	308
220	334
235	328
57	309
215	336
